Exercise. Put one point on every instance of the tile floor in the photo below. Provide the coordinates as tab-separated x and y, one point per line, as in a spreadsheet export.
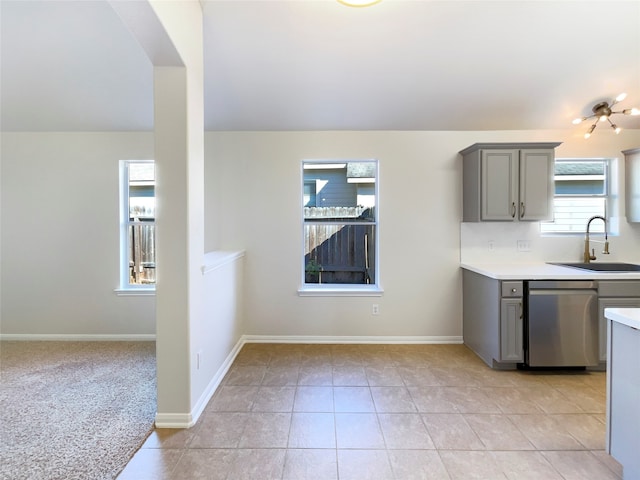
296	412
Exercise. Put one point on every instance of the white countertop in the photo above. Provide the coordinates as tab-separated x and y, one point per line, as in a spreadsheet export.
543	271
627	316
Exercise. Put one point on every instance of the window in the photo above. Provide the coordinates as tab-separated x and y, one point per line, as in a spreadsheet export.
310	194
340	224
137	231
581	189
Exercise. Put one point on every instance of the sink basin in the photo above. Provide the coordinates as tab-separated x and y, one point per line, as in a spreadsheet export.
603	267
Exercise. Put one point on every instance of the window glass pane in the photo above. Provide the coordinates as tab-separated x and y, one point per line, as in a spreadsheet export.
571	214
142	253
340	191
140	223
310	194
338	253
141	172
580	177
580	193
340	222
142	206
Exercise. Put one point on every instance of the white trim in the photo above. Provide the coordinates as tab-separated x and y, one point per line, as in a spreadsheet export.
219	258
573	178
135	292
361	180
215	382
124	185
342	290
174	420
188	420
56	337
325	165
333	290
431	340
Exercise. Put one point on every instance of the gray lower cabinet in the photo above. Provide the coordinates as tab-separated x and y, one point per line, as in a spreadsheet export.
623	391
611	303
493	316
612	294
511	330
493	319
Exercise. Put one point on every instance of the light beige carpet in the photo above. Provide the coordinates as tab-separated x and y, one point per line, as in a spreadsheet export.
74	410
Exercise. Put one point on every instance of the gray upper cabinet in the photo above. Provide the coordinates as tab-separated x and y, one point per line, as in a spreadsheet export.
632	184
508	181
499	184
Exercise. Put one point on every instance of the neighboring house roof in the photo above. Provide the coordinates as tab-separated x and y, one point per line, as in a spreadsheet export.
579	168
361	170
141	172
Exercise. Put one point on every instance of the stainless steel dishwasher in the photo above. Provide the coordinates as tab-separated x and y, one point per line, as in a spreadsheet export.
562	323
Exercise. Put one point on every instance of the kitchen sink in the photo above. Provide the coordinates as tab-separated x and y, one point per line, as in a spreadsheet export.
602	266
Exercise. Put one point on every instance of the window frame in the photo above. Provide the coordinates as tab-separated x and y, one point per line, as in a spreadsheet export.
606	196
339	289
127	288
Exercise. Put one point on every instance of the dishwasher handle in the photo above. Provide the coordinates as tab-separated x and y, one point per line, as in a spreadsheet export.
563	292
562	285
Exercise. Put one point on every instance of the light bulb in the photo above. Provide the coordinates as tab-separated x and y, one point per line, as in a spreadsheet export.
621	97
617	130
603	118
587	135
577	121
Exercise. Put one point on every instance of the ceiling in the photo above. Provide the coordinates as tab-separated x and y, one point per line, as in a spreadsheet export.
319	65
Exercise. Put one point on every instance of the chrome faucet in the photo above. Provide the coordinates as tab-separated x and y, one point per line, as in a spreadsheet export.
592	256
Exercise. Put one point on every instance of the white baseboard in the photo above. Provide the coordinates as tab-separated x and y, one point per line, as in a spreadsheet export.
187	420
174	420
352	339
215	381
453	339
55	337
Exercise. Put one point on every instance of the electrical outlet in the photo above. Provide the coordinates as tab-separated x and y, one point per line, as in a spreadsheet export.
524	246
375	309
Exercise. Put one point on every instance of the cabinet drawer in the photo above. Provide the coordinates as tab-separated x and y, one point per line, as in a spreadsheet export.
511	289
619	288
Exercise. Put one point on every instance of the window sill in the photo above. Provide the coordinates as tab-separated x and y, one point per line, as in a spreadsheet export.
135	292
340	291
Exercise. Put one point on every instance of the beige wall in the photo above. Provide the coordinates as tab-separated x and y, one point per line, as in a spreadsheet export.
60	188
253	190
60	235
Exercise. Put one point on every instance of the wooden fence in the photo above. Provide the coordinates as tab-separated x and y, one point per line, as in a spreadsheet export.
333	213
142	253
336	253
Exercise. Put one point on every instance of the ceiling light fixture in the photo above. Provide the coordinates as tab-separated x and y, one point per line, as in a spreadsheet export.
602	111
359	3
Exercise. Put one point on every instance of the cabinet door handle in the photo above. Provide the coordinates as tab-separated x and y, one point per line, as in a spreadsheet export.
520	310
521	209
513	209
